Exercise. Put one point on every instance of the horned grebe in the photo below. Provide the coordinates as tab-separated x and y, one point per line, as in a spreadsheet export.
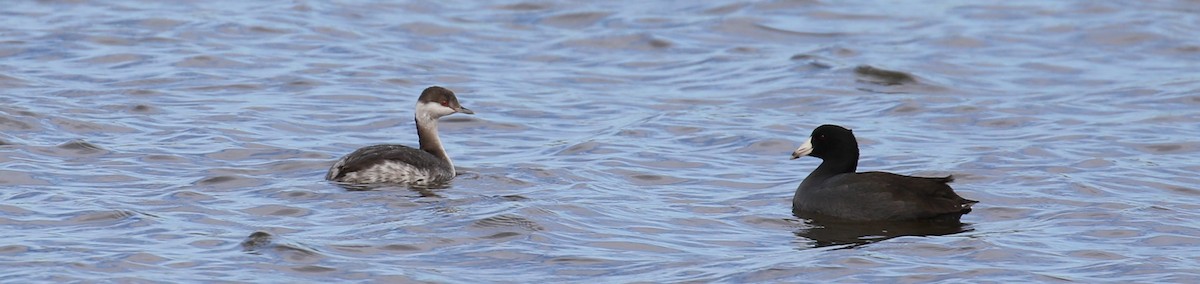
835	190
402	164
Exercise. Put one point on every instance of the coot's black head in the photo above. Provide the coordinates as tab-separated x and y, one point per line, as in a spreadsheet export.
829	142
437	102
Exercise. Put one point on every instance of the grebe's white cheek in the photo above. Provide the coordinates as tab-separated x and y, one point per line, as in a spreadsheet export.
444	110
433	110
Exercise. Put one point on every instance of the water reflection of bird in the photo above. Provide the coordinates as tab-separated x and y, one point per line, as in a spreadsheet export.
854	234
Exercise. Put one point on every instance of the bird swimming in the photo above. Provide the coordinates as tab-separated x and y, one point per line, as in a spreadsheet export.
835	190
390	163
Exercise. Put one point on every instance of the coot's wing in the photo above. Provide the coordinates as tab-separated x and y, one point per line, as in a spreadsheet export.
854	199
930	196
887	196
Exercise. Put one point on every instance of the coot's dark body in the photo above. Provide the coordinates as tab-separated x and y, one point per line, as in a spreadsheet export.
835	190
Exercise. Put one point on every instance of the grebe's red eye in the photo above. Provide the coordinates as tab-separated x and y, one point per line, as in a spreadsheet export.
446	103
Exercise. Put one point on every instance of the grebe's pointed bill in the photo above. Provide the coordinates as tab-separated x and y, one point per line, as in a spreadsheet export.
465	110
804	149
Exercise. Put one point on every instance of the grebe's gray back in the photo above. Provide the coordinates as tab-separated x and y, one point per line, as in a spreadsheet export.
402	164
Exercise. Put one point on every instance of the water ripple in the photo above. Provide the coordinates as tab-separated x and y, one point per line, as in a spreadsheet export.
636	142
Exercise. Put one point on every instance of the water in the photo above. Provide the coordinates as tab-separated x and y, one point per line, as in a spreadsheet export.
619	142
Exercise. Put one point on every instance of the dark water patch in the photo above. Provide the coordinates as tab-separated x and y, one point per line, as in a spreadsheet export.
961	42
228	182
1097	255
749	28
208	61
216	179
277	210
11	210
814	61
14	249
499	179
576	20
870	74
9	81
1167	240
157	158
261	152
145	258
632	246
103	216
190	195
832	52
76	148
589	147
298	195
14	124
429	29
147	87
290	165
643	42
648	179
508	221
401	247
525	6
725	9
90	219
225	88
80	94
27	195
263	243
907	108
502	235
513	198
1051	68
141	108
22	112
338	33
361	249
314	269
120	59
703	141
155	23
1006	123
1183	190
1165	148
87	127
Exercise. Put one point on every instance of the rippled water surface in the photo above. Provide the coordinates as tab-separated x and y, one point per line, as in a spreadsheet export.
613	141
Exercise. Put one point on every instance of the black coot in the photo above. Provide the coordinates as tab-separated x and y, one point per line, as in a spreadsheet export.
835	190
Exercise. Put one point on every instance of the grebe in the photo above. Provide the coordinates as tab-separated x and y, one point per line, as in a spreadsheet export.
834	189
402	164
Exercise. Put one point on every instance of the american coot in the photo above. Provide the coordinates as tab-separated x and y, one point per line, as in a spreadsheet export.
835	190
403	164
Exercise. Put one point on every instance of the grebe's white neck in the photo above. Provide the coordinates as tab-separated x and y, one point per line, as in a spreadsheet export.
426	117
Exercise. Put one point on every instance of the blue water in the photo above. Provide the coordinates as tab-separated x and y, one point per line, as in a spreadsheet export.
612	141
